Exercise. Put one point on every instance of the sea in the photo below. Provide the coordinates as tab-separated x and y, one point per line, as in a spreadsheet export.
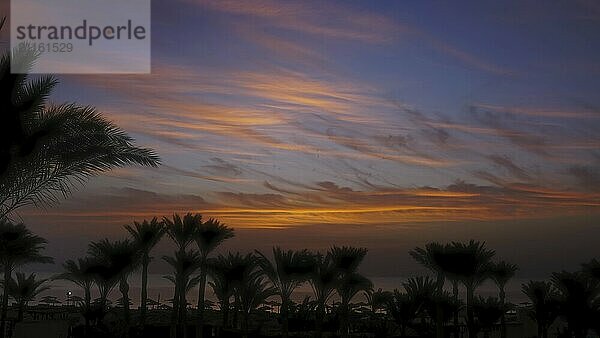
161	290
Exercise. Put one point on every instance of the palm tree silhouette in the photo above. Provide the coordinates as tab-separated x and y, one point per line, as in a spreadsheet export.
46	150
501	272
488	312
145	236
288	271
453	267
326	277
578	301
416	302
182	231
18	246
251	288
349	286
377	301
238	276
446	306
592	269
422	290
184	263
117	260
345	261
474	258
81	274
403	308
221	271
435	257
544	300
209	236
24	289
323	281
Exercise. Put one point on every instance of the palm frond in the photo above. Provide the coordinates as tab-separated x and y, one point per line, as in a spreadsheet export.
49	150
25	289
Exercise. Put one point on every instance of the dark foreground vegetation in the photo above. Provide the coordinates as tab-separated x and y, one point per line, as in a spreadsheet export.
254	290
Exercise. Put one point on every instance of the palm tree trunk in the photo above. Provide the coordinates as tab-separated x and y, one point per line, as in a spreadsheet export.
455	315
236	310
182	311
144	291
319	318
225	312
439	321
470	319
544	331
88	303
439	325
245	321
7	275
21	310
124	288
175	312
503	318
345	311
103	297
201	291
284	313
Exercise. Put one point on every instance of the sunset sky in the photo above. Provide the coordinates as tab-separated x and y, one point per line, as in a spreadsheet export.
380	124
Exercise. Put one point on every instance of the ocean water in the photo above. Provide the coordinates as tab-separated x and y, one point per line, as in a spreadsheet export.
161	290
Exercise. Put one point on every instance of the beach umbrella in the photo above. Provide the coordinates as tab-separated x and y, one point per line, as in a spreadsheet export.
152	302
208	304
120	302
165	307
50	300
186	303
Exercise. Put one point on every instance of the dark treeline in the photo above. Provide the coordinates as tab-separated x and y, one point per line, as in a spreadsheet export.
254	290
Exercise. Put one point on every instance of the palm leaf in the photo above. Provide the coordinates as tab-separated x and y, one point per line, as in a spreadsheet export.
46	150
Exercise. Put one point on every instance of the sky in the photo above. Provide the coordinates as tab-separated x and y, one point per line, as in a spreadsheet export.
383	124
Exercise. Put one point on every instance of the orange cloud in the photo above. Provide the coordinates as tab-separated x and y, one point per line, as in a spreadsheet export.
329	203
